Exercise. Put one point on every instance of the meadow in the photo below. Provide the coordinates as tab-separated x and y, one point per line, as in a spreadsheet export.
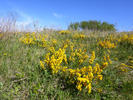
66	65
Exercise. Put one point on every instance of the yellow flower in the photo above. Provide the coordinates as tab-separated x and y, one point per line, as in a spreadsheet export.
78	74
91	60
123	69
105	64
99	90
79	87
54	41
80	61
89	88
42	64
89	69
100	77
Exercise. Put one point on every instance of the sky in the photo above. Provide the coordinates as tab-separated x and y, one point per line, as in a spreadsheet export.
60	13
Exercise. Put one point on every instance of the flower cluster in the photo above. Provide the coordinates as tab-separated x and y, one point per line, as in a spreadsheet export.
126	38
64	32
33	38
92	58
106	44
78	55
107	58
79	36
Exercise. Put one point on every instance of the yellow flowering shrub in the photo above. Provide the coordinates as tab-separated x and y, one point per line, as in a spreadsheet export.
83	77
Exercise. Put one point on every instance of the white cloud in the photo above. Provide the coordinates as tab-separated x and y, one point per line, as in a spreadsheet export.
24	21
57	15
24	18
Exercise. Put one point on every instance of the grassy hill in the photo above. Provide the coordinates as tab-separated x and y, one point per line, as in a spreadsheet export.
66	65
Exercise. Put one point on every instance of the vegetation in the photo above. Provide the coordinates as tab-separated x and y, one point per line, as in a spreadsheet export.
66	65
92	25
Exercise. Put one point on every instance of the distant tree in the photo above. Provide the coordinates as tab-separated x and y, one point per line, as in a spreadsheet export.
71	26
74	26
92	25
106	26
84	25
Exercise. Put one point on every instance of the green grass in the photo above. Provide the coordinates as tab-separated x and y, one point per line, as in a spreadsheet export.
21	76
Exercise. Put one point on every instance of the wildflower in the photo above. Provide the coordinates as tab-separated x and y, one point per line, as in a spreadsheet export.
92	57
81	36
79	87
89	69
64	32
42	64
106	44
89	88
100	77
54	41
105	64
80	61
123	69
99	90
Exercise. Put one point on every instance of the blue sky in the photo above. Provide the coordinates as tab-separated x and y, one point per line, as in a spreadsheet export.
59	13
